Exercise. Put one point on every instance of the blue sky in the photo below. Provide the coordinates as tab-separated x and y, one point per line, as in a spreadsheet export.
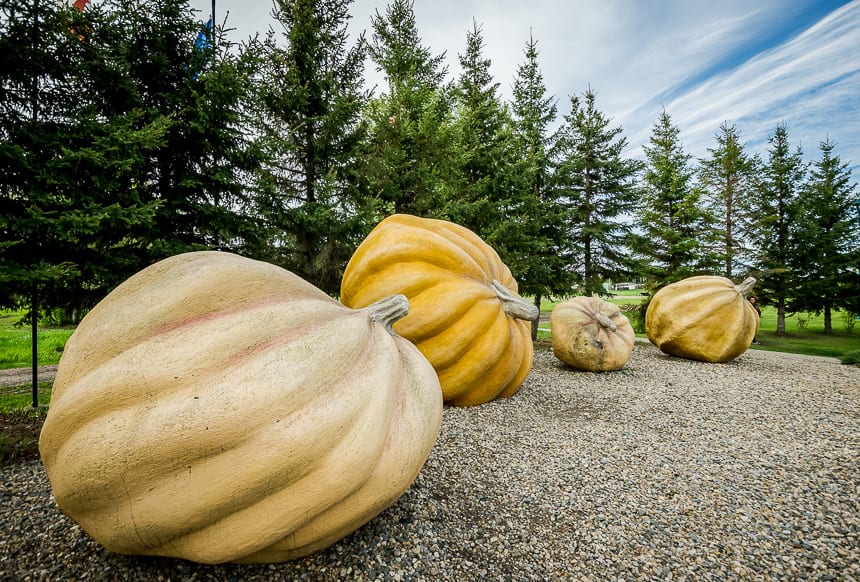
751	63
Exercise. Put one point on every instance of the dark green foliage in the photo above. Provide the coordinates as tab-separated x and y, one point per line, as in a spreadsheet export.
409	160
70	159
484	145
532	235
597	188
676	233
122	143
775	214
306	113
727	179
196	175
827	243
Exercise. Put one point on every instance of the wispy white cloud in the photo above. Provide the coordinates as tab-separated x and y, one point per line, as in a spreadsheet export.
811	83
643	56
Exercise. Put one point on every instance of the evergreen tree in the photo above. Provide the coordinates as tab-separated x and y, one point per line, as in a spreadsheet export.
70	213
409	162
197	176
727	178
308	102
775	215
71	158
484	144
533	232
597	188
533	111
827	240
676	231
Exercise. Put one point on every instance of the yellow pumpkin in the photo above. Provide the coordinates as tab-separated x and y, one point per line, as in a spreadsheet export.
591	334
706	318
217	408
465	315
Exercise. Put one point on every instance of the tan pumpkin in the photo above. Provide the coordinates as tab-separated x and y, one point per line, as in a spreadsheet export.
217	408
706	318
465	315
591	334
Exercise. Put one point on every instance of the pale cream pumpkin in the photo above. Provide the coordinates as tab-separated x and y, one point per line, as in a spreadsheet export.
706	318
591	334
217	408
465	315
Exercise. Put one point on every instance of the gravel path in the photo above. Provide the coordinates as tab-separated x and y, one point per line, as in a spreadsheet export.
21	376
667	469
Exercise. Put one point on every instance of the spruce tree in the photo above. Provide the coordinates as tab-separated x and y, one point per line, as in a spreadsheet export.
71	159
533	112
727	178
71	216
409	160
534	229
775	215
307	106
597	187
827	241
483	144
197	176
674	230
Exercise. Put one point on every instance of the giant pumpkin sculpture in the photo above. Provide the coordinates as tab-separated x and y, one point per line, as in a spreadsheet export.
465	315
216	408
704	318
591	334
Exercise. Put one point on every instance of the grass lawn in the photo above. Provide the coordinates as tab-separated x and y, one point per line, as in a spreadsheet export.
14	398
15	342
805	335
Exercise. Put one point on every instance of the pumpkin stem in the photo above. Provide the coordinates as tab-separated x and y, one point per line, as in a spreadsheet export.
514	305
746	286
387	311
606	322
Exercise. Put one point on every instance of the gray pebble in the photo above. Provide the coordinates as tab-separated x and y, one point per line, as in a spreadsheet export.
667	469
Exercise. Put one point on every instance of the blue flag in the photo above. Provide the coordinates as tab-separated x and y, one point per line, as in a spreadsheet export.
203	42
204	37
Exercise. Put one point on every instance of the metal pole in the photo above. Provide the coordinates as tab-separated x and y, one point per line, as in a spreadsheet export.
34	303
34	328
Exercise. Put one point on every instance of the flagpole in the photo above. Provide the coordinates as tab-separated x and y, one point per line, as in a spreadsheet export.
34	298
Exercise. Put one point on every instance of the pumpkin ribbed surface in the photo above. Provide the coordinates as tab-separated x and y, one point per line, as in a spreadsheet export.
705	318
465	315
217	408
591	334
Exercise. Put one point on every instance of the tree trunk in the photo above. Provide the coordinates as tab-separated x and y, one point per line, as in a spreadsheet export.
780	316
730	250
828	320
536	322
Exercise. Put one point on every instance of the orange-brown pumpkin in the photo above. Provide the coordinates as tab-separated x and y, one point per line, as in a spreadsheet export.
706	318
216	408
465	315
591	334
